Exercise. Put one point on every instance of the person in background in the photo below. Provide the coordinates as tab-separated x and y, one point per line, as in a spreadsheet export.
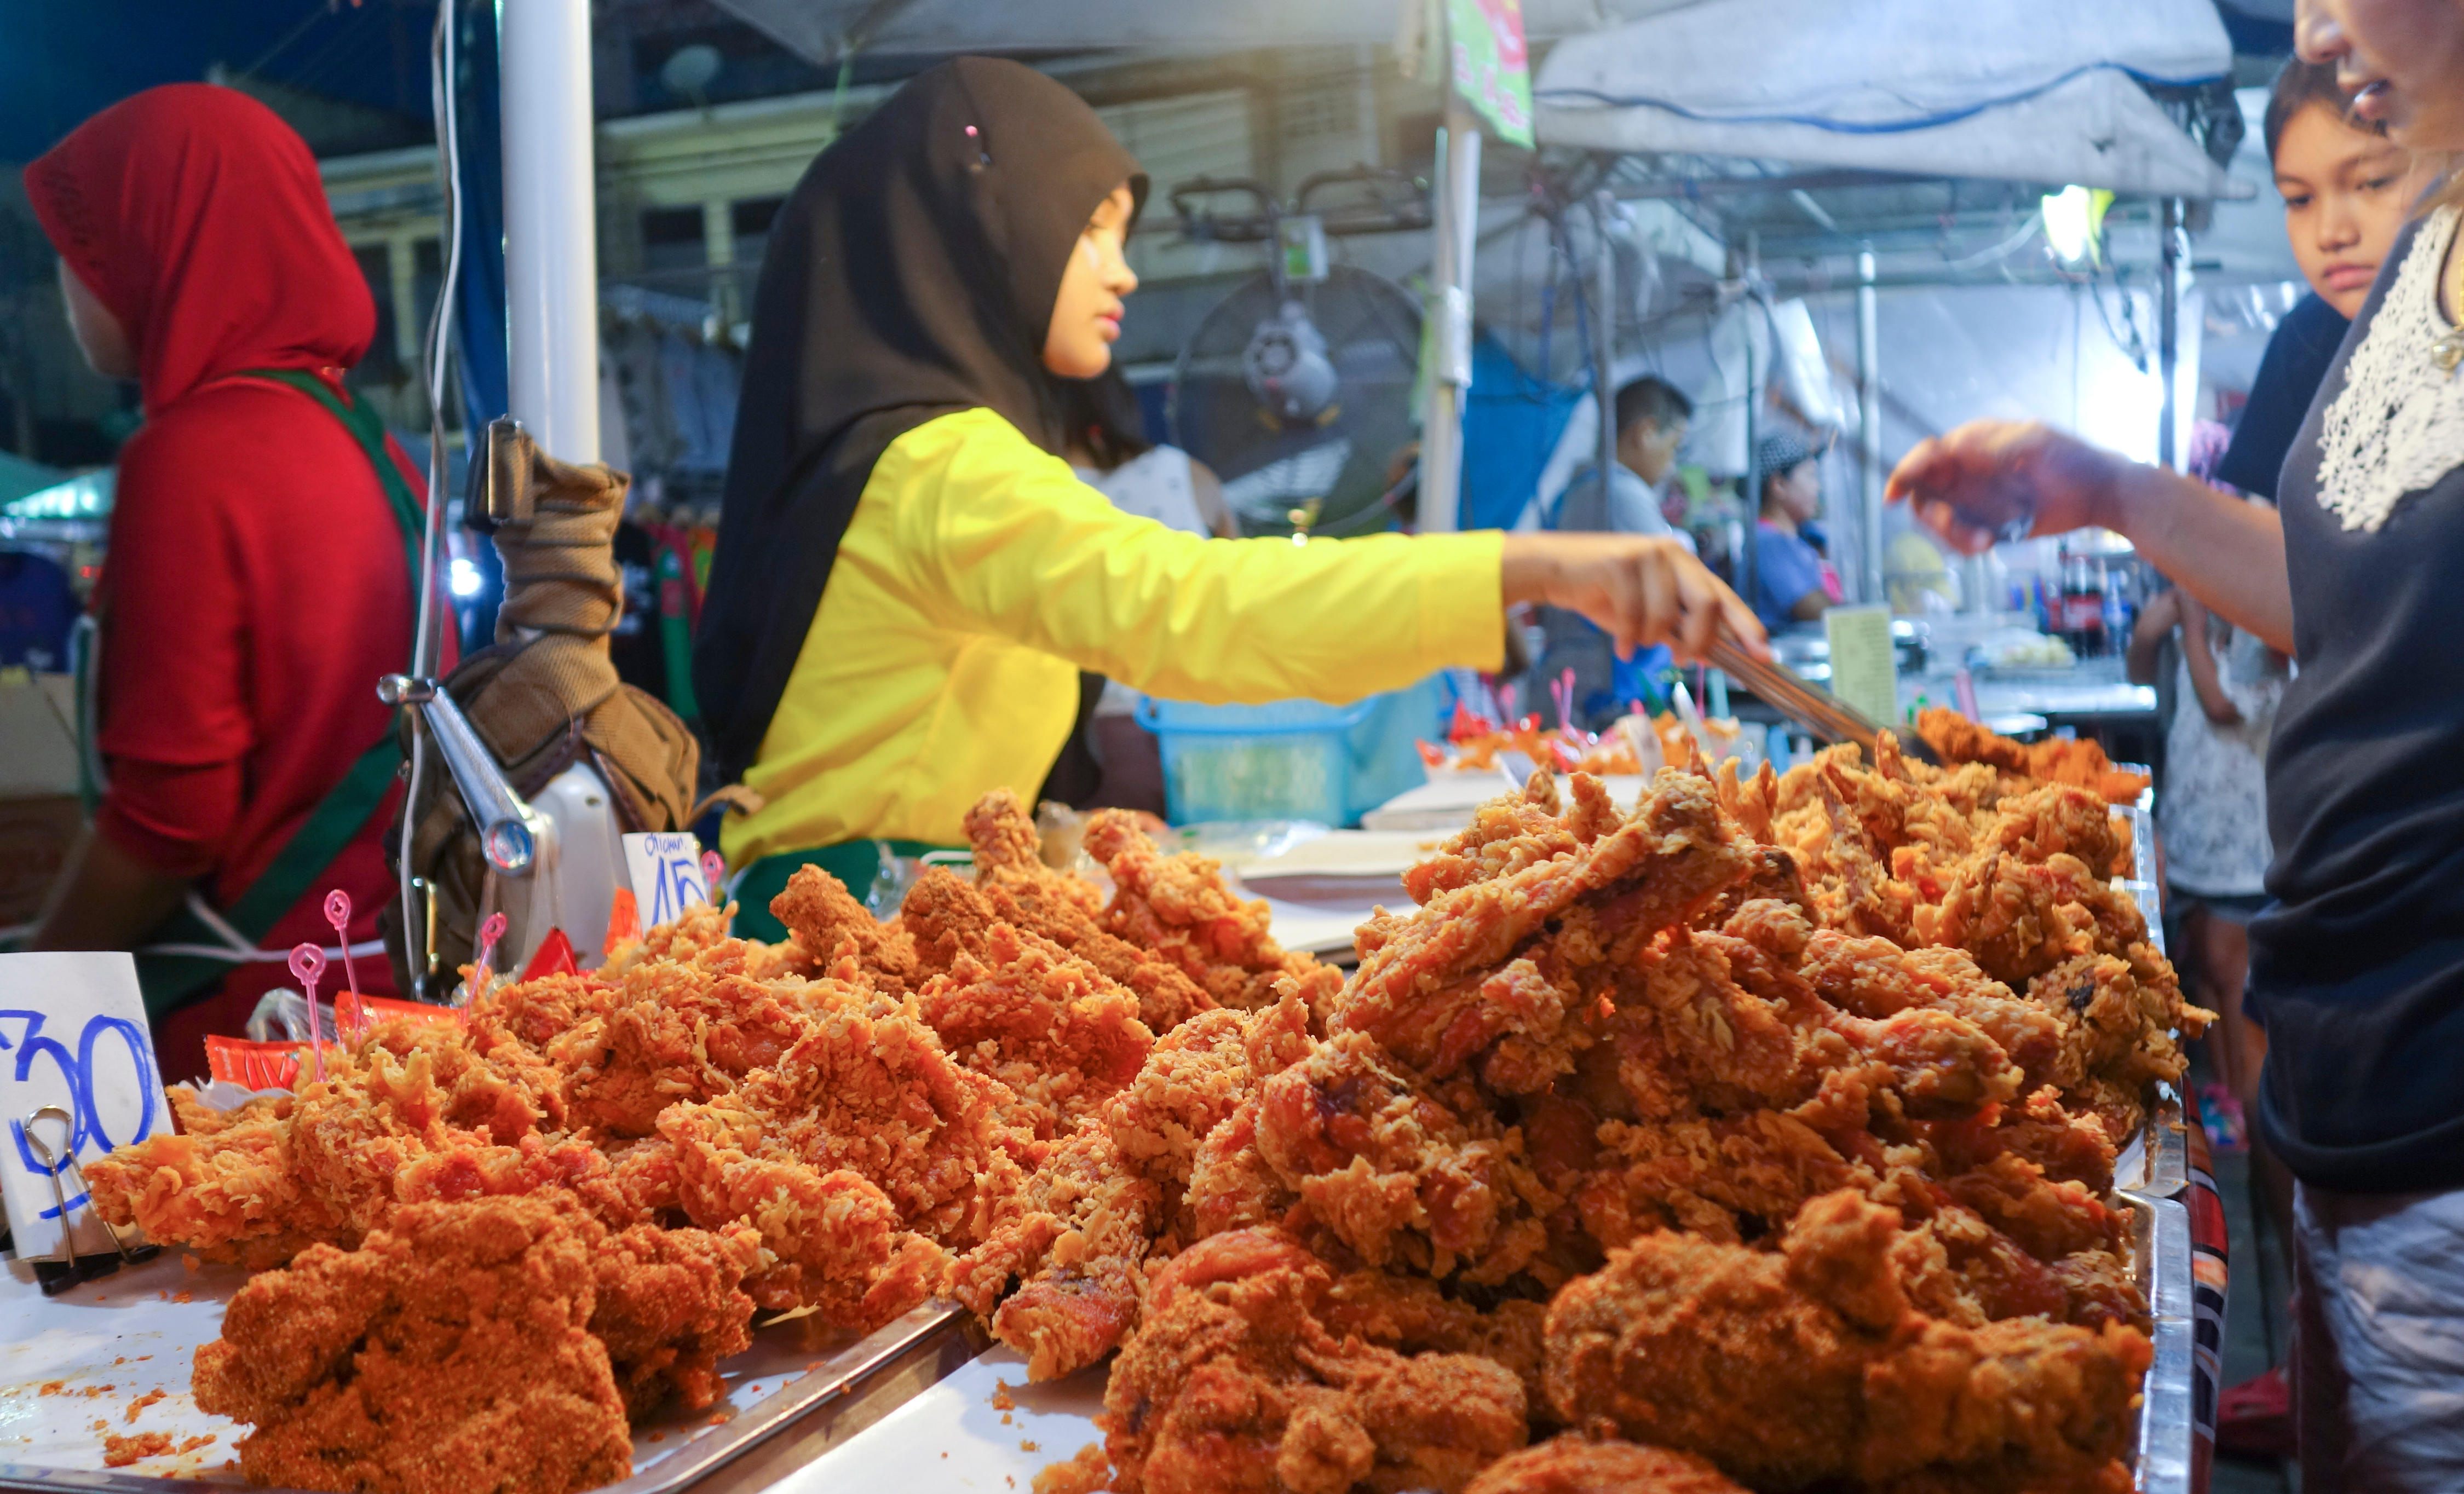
1113	763
1789	580
257	579
2346	188
1108	446
2357	961
38	607
1652	419
910	580
2213	811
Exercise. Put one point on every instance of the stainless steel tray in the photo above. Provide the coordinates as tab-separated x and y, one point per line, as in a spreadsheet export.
837	1394
2153	1178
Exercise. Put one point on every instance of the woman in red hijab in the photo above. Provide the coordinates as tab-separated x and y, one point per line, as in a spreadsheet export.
258	576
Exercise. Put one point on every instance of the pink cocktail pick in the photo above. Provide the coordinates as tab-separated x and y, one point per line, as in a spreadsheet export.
491	930
713	876
307	965
338	912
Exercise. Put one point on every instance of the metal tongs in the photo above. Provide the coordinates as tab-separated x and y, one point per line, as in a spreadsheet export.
1817	711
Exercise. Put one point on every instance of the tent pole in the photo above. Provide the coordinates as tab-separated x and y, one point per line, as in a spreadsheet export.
2169	225
1457	231
551	233
1604	339
1749	275
1869	427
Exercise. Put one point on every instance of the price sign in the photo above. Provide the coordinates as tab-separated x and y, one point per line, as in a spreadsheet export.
1864	667
665	870
73	1035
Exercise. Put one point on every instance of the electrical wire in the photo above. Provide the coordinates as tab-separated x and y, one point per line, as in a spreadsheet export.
443	94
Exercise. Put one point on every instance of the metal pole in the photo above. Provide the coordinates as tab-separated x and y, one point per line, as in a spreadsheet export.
2169	321
1457	231
551	233
1750	274
1869	428
1604	339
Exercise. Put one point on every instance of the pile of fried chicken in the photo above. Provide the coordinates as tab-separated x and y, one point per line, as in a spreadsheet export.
1759	1138
2056	759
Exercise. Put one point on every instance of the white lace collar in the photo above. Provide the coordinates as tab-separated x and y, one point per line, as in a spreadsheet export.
2397	425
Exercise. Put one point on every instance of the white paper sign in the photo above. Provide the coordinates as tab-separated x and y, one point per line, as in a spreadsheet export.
73	1036
665	872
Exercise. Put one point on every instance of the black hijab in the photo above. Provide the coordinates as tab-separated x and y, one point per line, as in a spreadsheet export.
910	273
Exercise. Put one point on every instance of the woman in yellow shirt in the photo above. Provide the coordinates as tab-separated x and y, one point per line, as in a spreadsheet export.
909	579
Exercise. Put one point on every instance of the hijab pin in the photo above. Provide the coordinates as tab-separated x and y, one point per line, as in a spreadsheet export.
982	157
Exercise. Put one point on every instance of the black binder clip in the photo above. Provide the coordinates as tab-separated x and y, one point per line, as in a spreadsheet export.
56	1277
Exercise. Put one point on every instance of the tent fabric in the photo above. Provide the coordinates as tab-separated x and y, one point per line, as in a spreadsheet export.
1971	88
1512	427
819	31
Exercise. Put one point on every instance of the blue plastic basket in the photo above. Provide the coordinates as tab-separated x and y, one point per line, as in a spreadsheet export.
1288	760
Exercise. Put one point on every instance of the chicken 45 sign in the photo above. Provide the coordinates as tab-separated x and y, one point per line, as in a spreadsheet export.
1485	47
76	1079
665	872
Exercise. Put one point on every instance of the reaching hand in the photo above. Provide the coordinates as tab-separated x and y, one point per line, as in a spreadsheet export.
1999	479
1639	589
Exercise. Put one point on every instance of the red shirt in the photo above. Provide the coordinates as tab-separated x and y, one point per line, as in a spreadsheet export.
255	584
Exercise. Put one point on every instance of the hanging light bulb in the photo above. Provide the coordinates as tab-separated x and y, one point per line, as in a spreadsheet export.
2074	222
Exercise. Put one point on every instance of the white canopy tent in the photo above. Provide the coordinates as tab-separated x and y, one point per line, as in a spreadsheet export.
823	30
1968	88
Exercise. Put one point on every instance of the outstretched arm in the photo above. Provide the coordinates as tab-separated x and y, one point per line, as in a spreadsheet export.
2228	553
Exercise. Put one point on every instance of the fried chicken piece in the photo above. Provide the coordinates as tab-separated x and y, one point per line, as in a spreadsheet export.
1875	978
948	914
1179	909
829	925
1231	1184
321	1164
1411	1315
1194	1078
1576	1464
1808	1364
696	935
670	1306
1052	1029
452	1351
2117	1017
1437	989
541	1165
2018	918
1955	739
672	1033
1395	1170
2058	819
1233	1383
1514	831
863	1157
1729	1178
537	1012
1075	1239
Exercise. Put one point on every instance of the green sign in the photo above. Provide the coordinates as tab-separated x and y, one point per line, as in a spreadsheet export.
1485	49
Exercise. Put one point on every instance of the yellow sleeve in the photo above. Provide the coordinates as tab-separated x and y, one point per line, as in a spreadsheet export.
1003	538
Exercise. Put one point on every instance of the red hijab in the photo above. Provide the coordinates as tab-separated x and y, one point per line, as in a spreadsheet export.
198	219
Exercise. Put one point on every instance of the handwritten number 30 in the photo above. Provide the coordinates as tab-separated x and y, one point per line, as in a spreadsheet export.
77	1071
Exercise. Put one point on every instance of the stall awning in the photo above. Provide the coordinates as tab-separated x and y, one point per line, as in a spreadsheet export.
2002	88
821	30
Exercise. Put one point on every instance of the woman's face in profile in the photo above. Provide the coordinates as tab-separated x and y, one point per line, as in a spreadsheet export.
1087	313
2403	61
